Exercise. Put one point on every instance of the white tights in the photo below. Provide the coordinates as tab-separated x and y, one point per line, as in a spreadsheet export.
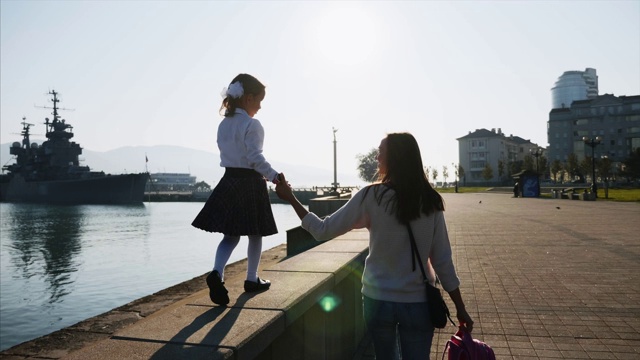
226	247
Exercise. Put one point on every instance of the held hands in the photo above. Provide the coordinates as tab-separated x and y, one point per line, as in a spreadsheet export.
283	189
278	178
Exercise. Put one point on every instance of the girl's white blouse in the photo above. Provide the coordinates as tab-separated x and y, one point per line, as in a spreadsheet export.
240	141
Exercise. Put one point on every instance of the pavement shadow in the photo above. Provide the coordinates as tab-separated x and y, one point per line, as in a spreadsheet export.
179	348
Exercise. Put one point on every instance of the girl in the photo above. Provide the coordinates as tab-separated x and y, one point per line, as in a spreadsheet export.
239	204
394	296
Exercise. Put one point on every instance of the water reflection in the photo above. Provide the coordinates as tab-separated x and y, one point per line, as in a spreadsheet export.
45	241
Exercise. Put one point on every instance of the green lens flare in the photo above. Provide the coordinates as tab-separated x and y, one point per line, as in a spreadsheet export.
329	302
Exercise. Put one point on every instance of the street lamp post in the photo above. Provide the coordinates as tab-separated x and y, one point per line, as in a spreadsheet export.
537	154
335	161
593	142
456	174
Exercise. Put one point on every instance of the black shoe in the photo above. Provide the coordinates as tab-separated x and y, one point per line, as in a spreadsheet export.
255	286
217	291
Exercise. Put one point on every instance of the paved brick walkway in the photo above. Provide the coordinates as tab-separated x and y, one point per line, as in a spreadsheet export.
547	279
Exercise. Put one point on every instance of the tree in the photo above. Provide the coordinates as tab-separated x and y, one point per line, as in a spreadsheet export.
585	167
500	168
543	164
528	163
434	174
556	167
487	172
202	186
572	166
368	165
631	168
515	167
603	166
461	174
445	173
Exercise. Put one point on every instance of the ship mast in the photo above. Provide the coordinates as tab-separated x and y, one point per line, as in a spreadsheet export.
57	127
25	133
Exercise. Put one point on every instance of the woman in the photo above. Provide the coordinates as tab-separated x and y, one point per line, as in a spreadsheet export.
394	296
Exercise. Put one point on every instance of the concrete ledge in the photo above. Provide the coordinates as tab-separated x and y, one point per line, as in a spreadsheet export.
135	349
313	310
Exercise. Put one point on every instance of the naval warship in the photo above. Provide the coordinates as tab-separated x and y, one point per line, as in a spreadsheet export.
51	173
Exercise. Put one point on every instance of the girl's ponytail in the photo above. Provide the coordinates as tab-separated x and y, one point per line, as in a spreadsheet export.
233	95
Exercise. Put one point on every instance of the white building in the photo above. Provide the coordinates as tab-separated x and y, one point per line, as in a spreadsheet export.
171	182
492	147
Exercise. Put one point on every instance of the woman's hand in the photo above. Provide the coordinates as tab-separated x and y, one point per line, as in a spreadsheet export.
284	191
464	319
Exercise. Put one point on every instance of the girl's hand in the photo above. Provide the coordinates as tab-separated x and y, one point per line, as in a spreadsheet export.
277	180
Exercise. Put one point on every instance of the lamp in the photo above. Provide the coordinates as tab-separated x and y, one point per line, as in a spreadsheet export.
537	154
593	142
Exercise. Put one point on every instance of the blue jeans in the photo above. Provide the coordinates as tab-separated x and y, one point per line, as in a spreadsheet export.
398	328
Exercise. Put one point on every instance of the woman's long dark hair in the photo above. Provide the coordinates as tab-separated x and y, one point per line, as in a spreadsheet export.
250	84
405	175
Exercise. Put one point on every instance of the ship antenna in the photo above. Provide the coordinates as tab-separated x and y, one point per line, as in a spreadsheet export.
55	107
25	132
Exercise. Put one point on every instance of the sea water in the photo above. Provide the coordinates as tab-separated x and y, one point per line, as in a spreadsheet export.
63	264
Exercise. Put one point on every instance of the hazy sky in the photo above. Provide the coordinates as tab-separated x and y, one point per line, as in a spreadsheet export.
141	73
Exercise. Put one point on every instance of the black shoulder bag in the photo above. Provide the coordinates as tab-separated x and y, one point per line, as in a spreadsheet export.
437	307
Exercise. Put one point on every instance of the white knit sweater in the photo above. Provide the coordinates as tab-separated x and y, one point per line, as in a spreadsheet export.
388	273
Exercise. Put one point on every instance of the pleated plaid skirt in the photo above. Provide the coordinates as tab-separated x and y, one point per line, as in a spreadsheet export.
239	205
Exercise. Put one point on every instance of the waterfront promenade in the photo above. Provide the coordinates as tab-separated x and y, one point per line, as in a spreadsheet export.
543	278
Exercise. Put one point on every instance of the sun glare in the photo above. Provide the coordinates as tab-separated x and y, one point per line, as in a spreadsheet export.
345	35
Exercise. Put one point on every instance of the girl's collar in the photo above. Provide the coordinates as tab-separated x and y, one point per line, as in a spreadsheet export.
241	111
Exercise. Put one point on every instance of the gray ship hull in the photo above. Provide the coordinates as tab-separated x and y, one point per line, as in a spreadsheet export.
107	189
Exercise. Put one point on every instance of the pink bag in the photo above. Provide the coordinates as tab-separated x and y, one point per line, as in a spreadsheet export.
463	346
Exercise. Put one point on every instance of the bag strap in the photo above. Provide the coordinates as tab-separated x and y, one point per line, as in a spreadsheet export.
414	255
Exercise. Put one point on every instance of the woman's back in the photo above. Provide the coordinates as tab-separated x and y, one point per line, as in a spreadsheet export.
389	274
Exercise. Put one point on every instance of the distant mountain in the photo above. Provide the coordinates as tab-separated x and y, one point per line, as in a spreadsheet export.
204	165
